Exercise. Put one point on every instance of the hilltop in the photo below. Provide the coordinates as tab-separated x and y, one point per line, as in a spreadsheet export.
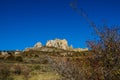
38	60
56	46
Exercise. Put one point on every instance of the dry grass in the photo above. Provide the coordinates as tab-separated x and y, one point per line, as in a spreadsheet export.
42	76
46	76
37	71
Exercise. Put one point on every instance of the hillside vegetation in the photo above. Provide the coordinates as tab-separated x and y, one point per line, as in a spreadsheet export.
101	62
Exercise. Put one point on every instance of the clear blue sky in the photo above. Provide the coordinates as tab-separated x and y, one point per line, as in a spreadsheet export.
25	22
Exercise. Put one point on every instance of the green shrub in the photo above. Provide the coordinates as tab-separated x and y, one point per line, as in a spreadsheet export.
19	58
37	67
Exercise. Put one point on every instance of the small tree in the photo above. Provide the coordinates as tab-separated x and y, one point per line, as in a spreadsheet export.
106	53
71	68
105	60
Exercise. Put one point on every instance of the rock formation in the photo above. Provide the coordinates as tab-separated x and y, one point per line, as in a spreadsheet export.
17	52
62	44
38	45
57	43
28	49
81	49
4	53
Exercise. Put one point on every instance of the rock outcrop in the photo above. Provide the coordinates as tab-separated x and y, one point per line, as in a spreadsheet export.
4	53
28	49
17	52
62	44
38	45
80	49
57	43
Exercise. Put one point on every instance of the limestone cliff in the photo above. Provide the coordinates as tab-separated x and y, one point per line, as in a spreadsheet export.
62	44
56	43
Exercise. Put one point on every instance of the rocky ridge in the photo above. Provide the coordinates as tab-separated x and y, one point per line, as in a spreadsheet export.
57	43
62	44
55	47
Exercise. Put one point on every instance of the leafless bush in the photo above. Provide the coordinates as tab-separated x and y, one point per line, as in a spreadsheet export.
106	54
26	71
20	69
17	69
71	69
102	63
105	58
5	72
